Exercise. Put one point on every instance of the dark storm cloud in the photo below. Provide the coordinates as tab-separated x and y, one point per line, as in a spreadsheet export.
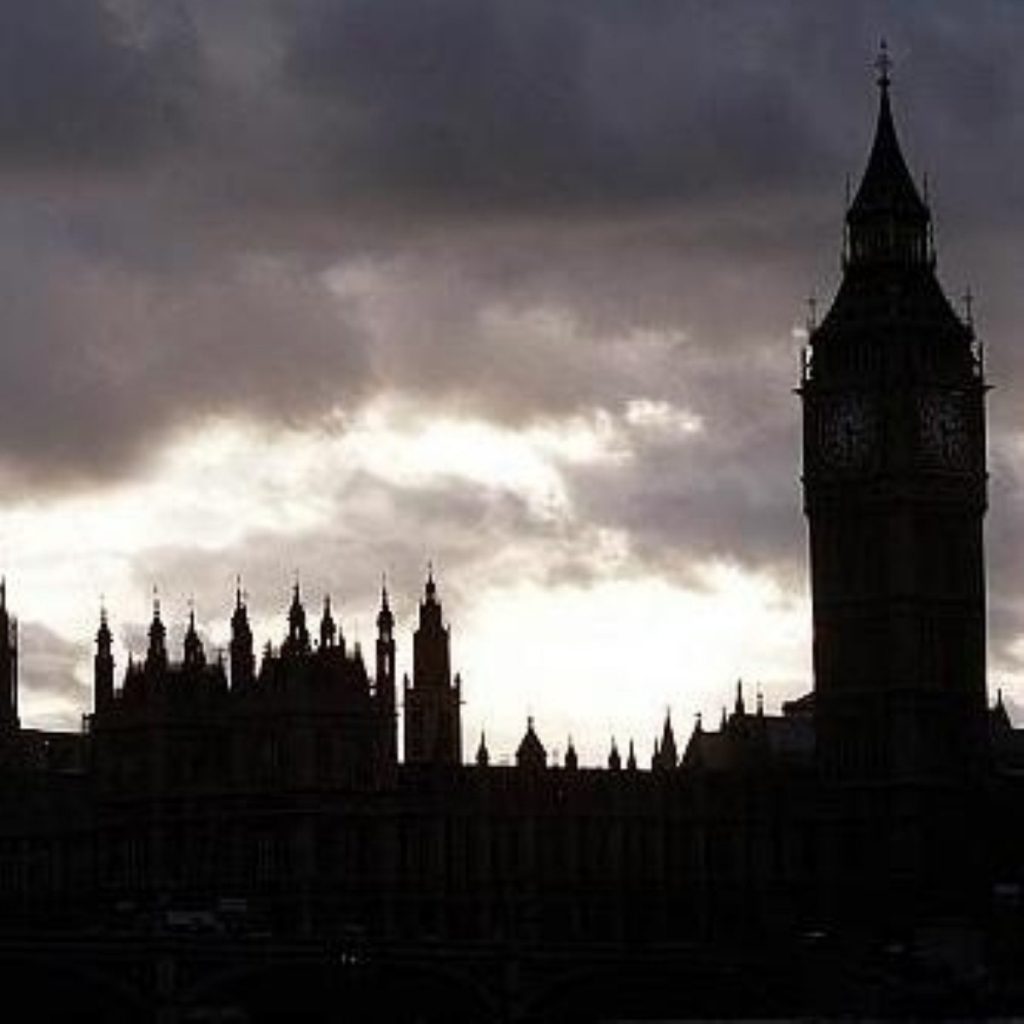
484	102
92	82
514	196
100	358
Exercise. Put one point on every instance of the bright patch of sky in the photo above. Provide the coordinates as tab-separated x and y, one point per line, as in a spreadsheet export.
595	658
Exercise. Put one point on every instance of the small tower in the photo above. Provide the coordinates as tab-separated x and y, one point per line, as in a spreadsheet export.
328	627
298	634
386	649
572	761
740	707
243	661
156	655
666	754
8	665
103	666
531	753
483	757
614	759
433	731
384	684
195	656
631	758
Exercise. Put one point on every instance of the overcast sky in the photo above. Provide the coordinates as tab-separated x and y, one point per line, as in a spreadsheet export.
338	287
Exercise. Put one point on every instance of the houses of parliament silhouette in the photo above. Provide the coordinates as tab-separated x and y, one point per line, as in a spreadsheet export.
242	841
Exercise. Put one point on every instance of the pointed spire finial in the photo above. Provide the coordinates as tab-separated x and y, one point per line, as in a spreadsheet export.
156	602
883	65
239	600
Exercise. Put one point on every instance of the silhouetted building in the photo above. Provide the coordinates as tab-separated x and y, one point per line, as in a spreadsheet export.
895	496
433	730
885	805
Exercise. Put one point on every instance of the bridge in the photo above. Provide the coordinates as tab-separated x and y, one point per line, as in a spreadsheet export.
167	979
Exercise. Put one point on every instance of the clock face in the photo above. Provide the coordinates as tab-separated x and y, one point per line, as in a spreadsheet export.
847	431
944	436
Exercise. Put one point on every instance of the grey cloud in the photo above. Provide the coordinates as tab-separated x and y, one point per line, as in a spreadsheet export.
671	168
96	83
467	531
47	669
100	358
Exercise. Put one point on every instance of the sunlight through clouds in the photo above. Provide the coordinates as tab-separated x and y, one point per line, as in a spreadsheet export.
597	645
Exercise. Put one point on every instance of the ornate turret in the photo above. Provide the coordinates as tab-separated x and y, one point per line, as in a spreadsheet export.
531	753
328	627
572	761
483	757
666	754
195	656
433	731
103	666
298	634
385	649
243	660
739	707
156	654
384	682
8	664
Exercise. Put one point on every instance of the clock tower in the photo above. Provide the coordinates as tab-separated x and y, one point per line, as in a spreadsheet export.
895	496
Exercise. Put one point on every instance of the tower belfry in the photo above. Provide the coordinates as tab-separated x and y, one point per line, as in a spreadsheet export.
895	496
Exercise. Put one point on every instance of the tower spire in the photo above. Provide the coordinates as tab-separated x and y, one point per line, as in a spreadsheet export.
888	221
883	65
195	656
156	656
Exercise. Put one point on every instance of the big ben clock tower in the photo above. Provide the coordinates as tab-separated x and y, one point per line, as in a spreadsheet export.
895	496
